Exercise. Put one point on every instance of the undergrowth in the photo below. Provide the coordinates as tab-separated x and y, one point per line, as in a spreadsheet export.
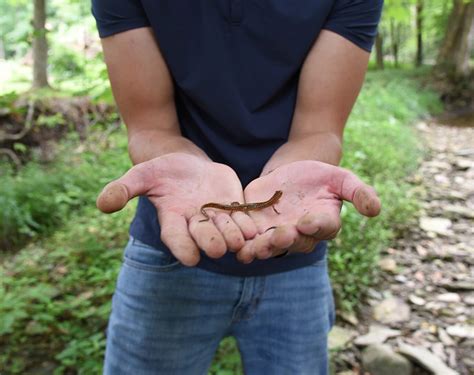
55	293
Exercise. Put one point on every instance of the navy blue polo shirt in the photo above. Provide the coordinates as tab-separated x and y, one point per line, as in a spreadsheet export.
235	66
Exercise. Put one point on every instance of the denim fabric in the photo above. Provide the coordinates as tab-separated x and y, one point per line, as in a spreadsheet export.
169	319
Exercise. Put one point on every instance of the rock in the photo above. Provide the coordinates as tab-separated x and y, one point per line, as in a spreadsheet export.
465	152
392	310
456	195
452	362
469	362
462	331
435	164
401	279
422	126
419	276
455	211
469	343
426	359
372	293
459	180
382	360
469	300
441	179
436	225
445	338
463	164
438	350
388	265
458	285
422	252
339	337
449	298
416	300
377	335
349	318
447	312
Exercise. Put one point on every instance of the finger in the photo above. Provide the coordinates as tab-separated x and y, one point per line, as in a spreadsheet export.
115	195
303	244
230	231
283	237
367	202
246	254
175	235
363	196
262	246
207	236
246	224
259	247
287	238
320	226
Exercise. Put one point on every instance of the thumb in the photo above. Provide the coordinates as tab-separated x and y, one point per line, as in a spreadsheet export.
363	197
116	194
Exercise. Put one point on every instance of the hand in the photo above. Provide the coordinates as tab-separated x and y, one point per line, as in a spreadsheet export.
309	208
178	185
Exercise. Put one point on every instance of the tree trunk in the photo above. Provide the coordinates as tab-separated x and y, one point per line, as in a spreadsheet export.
2	49
419	33
379	51
455	51
395	39
40	45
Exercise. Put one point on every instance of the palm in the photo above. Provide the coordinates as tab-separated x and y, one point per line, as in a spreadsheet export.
305	190
178	185
184	183
308	210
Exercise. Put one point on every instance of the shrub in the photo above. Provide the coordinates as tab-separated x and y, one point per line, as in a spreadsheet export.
40	197
55	294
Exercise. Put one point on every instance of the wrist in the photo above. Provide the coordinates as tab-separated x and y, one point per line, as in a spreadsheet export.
324	147
150	144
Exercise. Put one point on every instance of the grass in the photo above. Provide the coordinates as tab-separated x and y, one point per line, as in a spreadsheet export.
55	293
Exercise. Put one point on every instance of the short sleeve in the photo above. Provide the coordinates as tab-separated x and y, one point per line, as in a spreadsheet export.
115	16
356	20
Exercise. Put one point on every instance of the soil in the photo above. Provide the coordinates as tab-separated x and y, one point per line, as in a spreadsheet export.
33	126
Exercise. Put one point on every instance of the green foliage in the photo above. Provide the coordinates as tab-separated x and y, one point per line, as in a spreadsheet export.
55	294
381	149
66	63
38	198
227	360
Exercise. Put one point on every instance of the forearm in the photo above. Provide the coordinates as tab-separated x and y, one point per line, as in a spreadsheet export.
330	81
144	145
321	146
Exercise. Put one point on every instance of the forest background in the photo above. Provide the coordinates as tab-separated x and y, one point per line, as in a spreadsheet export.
61	141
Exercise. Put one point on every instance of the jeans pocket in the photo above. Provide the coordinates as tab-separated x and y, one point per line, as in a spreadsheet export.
147	258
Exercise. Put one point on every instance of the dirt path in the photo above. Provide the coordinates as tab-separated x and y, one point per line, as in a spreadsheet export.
424	306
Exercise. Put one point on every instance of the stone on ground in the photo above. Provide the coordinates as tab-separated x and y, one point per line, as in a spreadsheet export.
377	335
463	331
339	337
426	359
436	225
392	310
382	360
388	265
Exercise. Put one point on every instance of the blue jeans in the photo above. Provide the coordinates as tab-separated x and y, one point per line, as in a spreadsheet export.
169	319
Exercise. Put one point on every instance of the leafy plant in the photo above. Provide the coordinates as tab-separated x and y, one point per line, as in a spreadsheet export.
55	293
